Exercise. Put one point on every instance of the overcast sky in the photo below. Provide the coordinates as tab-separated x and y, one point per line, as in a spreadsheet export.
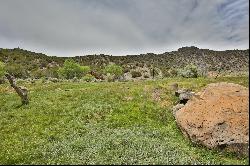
121	27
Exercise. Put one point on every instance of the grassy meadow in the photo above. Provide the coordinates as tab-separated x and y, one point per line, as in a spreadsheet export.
101	123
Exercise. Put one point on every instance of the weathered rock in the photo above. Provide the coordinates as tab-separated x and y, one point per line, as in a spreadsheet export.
184	95
176	108
218	118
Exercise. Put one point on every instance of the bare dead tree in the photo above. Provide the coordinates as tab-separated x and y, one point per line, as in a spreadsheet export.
21	91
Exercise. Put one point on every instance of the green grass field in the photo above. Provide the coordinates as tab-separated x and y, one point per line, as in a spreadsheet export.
101	123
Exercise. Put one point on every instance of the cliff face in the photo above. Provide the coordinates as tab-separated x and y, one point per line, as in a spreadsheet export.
206	60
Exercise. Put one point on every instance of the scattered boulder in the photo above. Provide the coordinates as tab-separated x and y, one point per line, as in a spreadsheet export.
218	118
55	80
184	95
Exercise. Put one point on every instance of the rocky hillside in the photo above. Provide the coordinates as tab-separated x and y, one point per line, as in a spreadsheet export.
30	63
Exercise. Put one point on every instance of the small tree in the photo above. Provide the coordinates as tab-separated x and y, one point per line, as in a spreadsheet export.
114	69
85	70
72	69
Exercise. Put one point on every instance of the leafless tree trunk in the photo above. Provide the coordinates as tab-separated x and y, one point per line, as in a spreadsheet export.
21	91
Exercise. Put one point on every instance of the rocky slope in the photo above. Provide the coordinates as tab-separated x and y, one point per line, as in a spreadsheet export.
206	60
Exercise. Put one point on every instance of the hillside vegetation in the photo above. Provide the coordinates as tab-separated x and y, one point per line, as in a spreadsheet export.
26	64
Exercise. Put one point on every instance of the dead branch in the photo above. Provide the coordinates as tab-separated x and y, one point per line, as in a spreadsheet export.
21	91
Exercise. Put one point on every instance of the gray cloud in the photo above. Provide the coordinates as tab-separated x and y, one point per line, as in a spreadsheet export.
77	27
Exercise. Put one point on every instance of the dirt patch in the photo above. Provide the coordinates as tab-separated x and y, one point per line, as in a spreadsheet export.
156	94
166	103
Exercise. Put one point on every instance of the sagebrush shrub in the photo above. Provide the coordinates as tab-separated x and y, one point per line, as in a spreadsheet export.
135	74
88	78
189	71
114	69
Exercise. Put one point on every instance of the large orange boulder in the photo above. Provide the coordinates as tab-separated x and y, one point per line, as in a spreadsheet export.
218	117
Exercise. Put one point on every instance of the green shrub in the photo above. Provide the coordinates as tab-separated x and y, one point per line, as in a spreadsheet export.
135	74
85	70
172	72
72	69
2	69
88	78
114	69
110	77
2	72
189	71
43	79
38	73
51	72
17	70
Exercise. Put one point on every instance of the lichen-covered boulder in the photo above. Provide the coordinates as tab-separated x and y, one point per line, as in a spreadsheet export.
218	117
